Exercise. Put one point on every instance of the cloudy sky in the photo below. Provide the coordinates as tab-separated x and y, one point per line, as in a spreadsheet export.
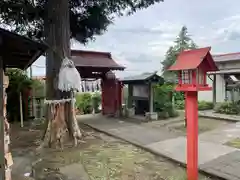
140	41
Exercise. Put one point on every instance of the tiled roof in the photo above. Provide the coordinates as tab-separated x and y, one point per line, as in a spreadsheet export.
94	59
140	77
227	57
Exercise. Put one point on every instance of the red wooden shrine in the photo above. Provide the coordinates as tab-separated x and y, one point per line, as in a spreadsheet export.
95	65
111	95
192	67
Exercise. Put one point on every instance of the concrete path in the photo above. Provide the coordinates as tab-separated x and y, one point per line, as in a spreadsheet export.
214	158
211	114
222	135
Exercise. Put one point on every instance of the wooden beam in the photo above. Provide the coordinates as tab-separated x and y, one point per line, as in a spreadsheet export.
37	55
2	149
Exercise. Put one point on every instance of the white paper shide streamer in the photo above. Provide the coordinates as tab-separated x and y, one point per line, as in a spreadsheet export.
69	78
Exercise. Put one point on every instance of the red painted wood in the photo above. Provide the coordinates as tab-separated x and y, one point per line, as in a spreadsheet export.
192	135
192	59
103	96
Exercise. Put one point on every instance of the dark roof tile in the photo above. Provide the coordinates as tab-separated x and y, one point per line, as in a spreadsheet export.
94	59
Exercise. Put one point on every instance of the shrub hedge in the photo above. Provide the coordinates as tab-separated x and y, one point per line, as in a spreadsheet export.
202	105
86	102
230	108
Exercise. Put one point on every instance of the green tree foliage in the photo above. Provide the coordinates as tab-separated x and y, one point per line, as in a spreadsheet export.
19	82
96	101
163	100
86	102
38	88
87	17
182	42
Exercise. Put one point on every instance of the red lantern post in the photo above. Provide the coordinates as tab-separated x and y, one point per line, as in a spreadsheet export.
192	67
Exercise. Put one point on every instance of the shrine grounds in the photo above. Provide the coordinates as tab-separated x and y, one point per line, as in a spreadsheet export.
101	156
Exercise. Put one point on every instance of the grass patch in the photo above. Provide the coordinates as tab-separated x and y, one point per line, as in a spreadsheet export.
201	129
234	143
117	161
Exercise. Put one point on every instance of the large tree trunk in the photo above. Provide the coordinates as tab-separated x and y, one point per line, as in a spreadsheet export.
57	33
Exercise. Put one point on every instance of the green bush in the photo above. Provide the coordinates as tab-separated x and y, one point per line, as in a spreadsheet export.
180	105
96	100
163	101
163	115
227	108
19	82
168	107
84	102
202	105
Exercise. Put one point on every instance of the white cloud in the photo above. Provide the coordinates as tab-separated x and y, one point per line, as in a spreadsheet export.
140	41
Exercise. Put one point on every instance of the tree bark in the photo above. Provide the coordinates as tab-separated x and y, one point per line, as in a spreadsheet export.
57	34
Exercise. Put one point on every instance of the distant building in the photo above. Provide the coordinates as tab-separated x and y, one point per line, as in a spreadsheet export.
225	81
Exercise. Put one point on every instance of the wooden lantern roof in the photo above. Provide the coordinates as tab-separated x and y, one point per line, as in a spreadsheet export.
18	51
192	59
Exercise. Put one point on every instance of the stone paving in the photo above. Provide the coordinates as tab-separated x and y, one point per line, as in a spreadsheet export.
137	134
213	156
176	149
227	166
222	135
211	114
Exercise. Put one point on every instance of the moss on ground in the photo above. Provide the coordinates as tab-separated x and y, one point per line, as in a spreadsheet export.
234	143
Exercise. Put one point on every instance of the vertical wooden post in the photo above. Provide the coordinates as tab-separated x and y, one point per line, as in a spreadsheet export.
103	96
185	95
151	98
214	90
2	151
130	96
192	135
21	108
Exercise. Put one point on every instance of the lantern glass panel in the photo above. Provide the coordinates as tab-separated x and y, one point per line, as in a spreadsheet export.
200	76
186	76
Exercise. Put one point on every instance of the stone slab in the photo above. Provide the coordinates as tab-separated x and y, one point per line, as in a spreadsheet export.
176	150
105	123
222	135
136	134
212	114
21	165
141	135
74	171
226	166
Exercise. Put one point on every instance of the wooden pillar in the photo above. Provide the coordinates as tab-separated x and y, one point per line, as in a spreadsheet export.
2	149
103	96
214	90
130	96
150	97
192	134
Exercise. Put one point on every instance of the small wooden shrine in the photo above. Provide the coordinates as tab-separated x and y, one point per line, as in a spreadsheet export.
140	92
15	52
